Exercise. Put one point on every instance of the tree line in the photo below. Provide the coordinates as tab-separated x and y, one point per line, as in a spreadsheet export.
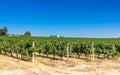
4	32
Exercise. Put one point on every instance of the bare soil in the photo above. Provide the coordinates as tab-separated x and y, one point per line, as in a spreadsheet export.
48	66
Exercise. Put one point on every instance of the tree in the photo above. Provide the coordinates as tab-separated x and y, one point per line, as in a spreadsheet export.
27	33
3	31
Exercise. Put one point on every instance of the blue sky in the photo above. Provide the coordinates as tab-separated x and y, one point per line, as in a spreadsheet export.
72	18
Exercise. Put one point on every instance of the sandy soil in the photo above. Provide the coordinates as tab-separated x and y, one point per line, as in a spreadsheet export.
47	66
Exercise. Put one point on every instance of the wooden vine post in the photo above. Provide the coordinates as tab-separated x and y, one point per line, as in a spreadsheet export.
93	53
113	47
67	51
33	56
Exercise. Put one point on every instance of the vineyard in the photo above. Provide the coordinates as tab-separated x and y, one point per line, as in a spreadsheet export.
25	48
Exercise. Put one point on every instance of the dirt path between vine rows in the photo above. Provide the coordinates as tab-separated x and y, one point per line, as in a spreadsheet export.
45	66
